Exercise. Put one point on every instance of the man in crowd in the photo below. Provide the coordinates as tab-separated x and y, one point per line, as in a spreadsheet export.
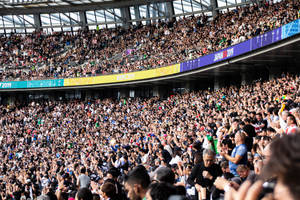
83	180
260	124
204	174
239	153
137	182
84	194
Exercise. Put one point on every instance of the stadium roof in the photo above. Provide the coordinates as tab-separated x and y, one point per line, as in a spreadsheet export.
43	3
28	4
24	16
11	7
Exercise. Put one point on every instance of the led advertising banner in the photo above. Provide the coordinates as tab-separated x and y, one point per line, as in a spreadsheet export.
266	39
291	29
233	51
216	57
257	42
133	76
32	84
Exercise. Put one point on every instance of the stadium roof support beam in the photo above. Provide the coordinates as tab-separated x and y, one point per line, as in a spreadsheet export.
214	6
83	20
161	12
157	11
114	14
76	8
68	2
58	18
126	17
200	4
154	11
37	21
2	5
137	14
227	2
234	5
148	22
9	19
170	9
24	20
70	18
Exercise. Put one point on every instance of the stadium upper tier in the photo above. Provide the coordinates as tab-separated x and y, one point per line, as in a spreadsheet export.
91	53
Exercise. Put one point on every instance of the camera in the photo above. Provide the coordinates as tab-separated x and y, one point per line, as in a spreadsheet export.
268	187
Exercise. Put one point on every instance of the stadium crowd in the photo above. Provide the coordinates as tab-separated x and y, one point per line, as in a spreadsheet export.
194	145
90	53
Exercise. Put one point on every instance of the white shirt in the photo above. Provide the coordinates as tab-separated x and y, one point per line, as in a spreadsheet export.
175	160
283	124
145	158
168	148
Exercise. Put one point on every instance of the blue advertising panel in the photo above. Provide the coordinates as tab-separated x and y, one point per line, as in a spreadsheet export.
32	84
13	84
45	83
291	29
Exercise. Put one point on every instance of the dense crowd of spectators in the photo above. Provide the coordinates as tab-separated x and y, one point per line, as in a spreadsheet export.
90	53
195	145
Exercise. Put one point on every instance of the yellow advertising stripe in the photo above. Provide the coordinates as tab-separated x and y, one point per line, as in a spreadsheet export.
133	76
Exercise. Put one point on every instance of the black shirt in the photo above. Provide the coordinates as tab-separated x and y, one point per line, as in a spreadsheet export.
214	170
250	130
166	156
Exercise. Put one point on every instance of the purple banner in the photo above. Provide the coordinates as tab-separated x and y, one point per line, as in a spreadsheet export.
277	35
236	50
266	39
216	57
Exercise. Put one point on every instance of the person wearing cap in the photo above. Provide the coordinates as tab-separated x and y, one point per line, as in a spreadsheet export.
164	174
